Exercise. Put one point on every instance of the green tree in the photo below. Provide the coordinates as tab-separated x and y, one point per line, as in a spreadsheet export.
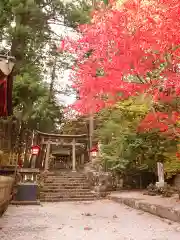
33	106
76	126
26	33
124	148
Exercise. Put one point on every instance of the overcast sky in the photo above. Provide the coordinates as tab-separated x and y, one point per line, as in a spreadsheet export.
64	79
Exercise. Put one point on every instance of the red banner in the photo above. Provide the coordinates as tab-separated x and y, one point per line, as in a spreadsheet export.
3	97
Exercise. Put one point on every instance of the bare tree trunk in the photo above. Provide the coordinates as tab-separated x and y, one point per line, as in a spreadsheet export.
91	133
53	77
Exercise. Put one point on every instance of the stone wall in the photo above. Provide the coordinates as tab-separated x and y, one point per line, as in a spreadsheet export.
6	184
102	182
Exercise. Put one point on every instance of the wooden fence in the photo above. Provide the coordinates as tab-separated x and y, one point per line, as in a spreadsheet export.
6	184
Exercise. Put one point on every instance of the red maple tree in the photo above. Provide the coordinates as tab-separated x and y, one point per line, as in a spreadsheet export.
126	51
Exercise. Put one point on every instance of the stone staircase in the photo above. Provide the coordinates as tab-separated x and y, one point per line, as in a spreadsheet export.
66	186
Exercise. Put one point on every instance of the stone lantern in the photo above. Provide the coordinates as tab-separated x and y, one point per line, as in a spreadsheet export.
94	154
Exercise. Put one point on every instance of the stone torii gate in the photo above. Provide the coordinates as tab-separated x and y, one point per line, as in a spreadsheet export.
71	141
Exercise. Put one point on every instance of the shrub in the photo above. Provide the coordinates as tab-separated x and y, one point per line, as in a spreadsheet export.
166	191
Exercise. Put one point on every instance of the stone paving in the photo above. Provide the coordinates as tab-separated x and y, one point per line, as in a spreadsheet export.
169	202
96	220
163	207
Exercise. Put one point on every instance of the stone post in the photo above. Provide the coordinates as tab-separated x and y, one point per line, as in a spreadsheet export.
160	169
47	157
82	158
74	155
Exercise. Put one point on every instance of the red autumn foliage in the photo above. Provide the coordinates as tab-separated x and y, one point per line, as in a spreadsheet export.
161	122
138	38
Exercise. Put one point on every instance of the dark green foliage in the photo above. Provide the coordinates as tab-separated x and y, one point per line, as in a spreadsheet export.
26	33
77	13
106	2
76	126
124	148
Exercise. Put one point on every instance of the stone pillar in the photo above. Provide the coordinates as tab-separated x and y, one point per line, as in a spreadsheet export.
47	157
82	158
160	168
74	155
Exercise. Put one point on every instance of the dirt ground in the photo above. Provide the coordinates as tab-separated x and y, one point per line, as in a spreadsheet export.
84	221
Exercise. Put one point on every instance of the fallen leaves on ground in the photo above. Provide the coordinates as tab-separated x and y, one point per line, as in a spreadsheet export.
87	228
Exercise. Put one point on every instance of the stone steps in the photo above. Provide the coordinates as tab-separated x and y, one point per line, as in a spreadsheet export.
69	185
66	194
45	189
66	187
65	174
71	199
65	183
58	189
82	181
65	179
68	198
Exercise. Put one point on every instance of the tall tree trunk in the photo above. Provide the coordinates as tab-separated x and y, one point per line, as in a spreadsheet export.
53	76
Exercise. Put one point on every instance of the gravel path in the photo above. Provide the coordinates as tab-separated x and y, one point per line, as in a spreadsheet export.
104	220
